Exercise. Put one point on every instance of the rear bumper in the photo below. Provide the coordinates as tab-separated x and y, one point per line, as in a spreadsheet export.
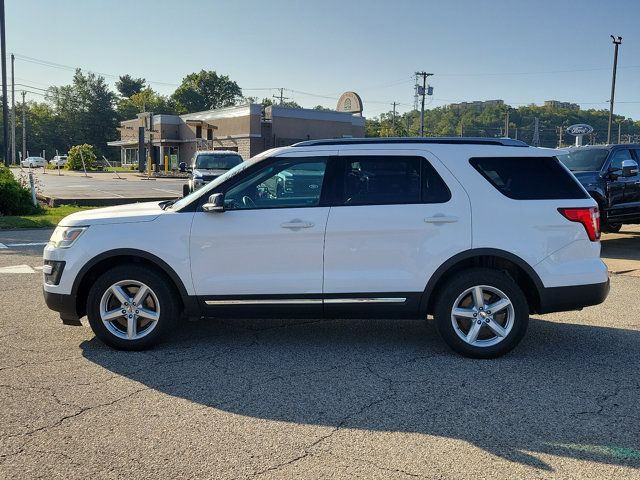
65	305
575	297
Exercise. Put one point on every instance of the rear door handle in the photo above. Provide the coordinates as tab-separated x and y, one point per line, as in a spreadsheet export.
296	224
441	219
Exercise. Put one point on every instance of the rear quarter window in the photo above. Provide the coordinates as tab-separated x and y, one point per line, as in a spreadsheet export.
529	178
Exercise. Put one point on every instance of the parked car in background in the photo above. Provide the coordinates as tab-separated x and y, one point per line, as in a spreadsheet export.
610	174
209	165
59	160
32	162
477	232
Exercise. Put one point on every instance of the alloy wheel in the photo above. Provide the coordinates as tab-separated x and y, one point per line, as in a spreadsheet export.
482	316
129	309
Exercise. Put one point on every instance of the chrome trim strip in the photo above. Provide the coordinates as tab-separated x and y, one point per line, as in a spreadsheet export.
366	300
267	301
305	301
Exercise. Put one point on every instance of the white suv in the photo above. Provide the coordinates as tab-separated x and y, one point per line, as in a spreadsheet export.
479	233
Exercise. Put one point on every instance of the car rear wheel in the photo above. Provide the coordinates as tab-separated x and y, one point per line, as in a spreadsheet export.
481	313
131	307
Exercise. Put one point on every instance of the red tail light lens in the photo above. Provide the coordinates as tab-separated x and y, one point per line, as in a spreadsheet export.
589	217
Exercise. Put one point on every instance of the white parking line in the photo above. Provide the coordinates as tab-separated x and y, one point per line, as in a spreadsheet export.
174	192
17	269
2	245
34	244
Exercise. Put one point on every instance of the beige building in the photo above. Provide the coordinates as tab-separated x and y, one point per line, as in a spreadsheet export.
247	129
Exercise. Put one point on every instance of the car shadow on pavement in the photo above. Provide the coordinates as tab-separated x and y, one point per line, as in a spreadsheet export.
568	390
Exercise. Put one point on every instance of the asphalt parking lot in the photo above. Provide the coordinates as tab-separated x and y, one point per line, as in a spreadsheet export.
318	399
75	187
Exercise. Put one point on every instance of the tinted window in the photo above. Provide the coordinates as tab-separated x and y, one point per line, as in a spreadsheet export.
584	160
618	157
286	183
212	161
380	180
529	178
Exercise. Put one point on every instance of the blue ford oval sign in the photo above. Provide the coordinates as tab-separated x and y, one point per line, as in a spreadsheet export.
580	129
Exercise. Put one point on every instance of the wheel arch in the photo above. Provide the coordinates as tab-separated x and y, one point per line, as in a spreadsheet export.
519	270
106	260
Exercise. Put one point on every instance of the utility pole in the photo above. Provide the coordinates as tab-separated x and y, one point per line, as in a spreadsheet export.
394	118
619	130
24	126
461	129
281	96
560	136
13	112
422	91
5	113
506	123
616	43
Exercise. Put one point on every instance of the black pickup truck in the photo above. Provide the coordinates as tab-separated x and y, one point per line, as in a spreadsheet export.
610	175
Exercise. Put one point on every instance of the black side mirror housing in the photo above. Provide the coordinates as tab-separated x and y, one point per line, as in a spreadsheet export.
215	203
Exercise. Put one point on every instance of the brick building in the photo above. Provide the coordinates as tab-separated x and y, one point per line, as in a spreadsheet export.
248	129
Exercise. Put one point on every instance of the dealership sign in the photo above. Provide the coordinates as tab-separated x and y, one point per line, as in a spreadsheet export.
580	129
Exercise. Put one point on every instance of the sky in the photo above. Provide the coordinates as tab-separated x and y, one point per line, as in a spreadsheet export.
520	52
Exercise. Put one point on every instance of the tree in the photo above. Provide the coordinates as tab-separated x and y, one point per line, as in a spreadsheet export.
129	86
206	90
266	102
85	110
145	101
77	154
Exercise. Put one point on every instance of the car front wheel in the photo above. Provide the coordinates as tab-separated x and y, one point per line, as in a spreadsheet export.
132	307
481	313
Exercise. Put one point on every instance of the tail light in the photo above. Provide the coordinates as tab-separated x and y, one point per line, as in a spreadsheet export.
589	217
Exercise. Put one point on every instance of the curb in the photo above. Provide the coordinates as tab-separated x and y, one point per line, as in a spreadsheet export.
100	202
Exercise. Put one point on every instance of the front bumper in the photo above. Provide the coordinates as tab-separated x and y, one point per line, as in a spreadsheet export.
65	305
575	297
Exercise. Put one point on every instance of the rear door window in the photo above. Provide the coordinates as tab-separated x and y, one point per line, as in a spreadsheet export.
390	180
529	178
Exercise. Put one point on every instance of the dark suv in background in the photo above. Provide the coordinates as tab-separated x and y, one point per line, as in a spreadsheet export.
610	175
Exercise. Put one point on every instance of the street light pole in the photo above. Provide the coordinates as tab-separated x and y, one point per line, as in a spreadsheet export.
616	42
5	113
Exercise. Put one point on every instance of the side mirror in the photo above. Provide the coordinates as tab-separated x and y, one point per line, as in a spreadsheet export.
215	203
629	168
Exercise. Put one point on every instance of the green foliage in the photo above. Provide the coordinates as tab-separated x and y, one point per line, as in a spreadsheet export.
14	199
146	100
77	153
85	111
206	90
45	217
488	121
129	86
268	102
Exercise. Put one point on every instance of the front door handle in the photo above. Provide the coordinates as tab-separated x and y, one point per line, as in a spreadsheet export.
296	224
441	219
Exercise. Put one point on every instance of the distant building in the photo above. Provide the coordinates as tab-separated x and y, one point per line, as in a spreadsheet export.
555	104
477	104
246	129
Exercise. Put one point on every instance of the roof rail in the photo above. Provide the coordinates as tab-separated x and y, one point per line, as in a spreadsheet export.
505	142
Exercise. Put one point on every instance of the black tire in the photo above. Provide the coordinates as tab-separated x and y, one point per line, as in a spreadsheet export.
160	286
497	280
611	227
186	190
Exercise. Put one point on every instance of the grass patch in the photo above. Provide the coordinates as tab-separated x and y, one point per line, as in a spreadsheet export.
49	218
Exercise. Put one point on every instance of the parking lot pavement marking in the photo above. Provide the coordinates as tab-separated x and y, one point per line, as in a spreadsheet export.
173	192
17	269
2	245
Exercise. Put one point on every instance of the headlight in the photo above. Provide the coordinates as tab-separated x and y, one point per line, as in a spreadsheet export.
64	237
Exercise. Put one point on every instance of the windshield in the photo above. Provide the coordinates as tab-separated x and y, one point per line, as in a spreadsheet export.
212	161
587	160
